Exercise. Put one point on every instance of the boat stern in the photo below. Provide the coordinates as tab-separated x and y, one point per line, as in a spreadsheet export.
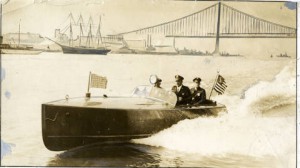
67	127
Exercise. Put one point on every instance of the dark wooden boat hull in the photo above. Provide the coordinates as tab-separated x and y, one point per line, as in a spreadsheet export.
66	127
80	50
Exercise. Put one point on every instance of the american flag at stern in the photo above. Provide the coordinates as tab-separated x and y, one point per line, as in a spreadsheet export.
220	85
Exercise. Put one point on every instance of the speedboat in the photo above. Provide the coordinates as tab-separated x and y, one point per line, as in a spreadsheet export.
74	122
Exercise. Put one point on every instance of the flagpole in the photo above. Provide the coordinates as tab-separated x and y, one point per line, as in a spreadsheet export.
88	94
213	86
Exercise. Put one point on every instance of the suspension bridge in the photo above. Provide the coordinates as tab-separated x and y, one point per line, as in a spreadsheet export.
217	21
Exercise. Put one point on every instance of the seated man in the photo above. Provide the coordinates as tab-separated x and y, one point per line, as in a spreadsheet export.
182	92
198	93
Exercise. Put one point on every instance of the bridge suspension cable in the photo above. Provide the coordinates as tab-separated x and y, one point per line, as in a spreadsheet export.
204	23
235	22
201	23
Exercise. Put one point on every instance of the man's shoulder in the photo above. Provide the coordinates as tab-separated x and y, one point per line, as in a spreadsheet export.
185	88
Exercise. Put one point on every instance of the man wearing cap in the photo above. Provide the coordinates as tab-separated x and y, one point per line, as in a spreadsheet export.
198	93
182	92
158	83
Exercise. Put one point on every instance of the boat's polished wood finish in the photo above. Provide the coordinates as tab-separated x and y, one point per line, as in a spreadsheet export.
81	121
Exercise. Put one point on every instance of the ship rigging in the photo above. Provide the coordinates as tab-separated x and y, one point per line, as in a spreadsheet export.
93	44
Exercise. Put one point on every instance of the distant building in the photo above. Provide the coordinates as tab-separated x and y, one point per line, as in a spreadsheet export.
60	37
25	38
57	33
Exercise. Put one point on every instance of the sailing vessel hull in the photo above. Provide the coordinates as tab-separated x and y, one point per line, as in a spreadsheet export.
80	50
65	127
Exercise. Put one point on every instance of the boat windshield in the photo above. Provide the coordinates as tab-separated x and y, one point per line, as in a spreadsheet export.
141	91
155	93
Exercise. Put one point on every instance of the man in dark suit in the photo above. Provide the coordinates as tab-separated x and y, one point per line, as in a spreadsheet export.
182	92
198	93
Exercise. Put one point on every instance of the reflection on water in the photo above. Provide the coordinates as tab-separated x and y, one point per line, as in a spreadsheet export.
107	154
136	155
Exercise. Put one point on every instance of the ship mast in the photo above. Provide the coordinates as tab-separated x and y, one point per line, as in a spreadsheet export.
2	3
99	32
71	31
19	33
80	35
90	36
81	31
71	36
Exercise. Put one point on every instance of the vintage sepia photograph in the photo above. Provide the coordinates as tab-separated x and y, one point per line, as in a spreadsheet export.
148	83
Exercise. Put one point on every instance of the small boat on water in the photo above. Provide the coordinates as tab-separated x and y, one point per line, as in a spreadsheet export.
20	52
20	49
283	55
70	123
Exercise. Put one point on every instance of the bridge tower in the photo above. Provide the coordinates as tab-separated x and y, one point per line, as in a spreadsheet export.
216	51
215	22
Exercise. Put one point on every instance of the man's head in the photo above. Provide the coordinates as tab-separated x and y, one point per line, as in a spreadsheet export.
178	80
158	82
197	81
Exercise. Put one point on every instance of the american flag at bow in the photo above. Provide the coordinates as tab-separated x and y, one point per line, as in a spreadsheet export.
220	85
98	81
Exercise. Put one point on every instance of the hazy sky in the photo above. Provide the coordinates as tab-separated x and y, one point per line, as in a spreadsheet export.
42	16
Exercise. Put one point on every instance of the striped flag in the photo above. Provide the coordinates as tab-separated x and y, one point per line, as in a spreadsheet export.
98	81
220	85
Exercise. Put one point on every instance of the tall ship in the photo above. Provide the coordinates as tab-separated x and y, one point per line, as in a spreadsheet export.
82	44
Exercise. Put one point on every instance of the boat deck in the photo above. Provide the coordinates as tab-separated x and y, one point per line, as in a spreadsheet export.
121	103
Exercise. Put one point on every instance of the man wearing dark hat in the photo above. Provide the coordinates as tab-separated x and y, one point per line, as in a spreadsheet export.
183	93
158	83
198	93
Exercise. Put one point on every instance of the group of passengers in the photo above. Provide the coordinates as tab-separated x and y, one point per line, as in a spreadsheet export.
185	96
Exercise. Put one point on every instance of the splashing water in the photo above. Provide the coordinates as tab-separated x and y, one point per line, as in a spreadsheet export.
243	130
268	95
